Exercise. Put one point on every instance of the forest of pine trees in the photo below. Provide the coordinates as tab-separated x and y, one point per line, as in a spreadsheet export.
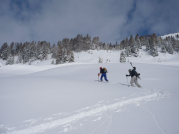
151	43
28	52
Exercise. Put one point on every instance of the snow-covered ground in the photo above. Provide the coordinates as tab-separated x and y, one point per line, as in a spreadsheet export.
54	99
173	35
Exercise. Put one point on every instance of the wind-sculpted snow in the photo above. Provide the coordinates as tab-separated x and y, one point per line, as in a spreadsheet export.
85	113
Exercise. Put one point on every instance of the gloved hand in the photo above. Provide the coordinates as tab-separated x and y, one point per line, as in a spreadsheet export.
126	75
139	74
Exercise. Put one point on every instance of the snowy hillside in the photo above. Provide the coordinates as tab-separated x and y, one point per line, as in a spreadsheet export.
67	98
113	56
173	35
92	56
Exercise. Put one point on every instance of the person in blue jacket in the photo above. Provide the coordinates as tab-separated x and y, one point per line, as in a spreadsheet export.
103	72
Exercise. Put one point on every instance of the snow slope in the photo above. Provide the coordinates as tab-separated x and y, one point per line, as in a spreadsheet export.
173	35
68	98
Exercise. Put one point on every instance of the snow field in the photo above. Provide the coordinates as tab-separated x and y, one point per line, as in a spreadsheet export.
69	99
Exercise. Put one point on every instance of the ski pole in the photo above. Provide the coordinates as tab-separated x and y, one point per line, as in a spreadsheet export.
131	64
127	81
98	77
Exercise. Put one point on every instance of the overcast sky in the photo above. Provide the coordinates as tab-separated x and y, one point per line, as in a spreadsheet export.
110	20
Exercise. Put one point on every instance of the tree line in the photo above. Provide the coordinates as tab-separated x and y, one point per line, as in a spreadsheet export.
62	52
152	43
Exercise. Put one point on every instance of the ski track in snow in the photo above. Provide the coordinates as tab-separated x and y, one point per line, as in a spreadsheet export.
95	111
99	126
110	123
153	116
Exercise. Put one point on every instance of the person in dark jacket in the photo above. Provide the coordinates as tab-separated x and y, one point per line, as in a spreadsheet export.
134	76
103	74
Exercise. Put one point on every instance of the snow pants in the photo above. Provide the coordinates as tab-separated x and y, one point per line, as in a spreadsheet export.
103	75
134	80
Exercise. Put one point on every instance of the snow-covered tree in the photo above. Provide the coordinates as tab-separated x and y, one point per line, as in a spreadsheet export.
100	60
26	52
147	43
44	49
123	44
153	47
33	51
78	42
128	51
96	43
54	51
38	51
19	58
59	57
65	59
163	49
168	45
86	43
5	51
137	42
10	60
176	45
122	57
132	45
71	56
142	40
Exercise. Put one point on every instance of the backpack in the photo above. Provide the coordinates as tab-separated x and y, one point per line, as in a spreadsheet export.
136	74
105	70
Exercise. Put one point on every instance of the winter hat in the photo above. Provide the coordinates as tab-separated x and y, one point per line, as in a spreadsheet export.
129	70
100	68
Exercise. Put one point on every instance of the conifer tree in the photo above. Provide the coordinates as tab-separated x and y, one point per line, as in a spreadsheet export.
132	45
72	58
127	42
142	40
137	43
176	45
5	51
12	52
19	58
33	51
65	58
54	51
10	60
128	51
59	57
153	47
122	57
147	43
168	45
26	52
44	49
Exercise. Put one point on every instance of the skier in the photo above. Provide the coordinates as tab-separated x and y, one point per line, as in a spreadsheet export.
134	75
103	72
